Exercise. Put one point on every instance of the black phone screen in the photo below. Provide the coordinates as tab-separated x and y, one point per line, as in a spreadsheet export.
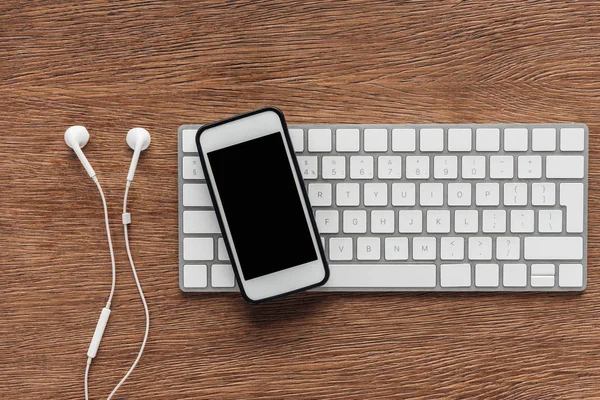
262	206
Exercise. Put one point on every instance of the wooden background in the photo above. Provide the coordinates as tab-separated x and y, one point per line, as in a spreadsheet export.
113	65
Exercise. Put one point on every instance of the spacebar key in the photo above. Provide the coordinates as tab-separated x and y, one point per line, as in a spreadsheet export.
382	275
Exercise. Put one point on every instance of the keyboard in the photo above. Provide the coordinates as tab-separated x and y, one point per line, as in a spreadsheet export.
420	207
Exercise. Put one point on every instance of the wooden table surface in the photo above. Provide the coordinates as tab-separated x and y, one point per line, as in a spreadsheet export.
113	65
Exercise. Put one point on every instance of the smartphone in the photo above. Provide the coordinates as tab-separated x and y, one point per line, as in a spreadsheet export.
261	205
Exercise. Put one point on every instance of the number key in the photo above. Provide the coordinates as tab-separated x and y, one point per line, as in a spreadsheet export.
473	167
445	167
334	167
389	167
361	167
308	166
192	168
417	167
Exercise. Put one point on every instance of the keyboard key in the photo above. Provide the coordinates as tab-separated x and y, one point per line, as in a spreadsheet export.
403	140
487	275
192	169
515	194
389	167
487	139
382	275
530	167
222	250
542	275
222	276
570	275
200	222
347	194
196	195
297	137
572	139
480	248
544	139
564	167
431	139
319	194
376	194
514	275
368	248
516	139
382	221
459	194
452	248
417	167
508	248
459	139
327	221
571	197
355	221
198	249
308	166
195	276
553	248
473	167
340	249
542	281
487	194
543	194
431	194
501	167
403	194
521	221
424	248
550	221
438	221
542	269
466	221
445	167
189	141
319	140
410	221
361	167
396	248
333	167
347	140
494	221
455	275
375	140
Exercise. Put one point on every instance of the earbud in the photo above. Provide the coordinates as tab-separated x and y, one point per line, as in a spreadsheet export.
139	140
76	138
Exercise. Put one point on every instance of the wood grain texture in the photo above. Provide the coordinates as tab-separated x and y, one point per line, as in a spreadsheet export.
112	65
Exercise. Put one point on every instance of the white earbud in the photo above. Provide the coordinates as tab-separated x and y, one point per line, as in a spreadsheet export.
76	138
139	140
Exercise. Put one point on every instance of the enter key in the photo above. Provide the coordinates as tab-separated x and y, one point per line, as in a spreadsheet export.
571	197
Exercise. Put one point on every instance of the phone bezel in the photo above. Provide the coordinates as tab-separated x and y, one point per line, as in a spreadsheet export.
226	133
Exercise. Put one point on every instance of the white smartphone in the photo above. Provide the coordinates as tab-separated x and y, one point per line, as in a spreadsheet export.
262	205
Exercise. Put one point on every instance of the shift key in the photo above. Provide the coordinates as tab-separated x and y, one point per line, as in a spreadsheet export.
553	248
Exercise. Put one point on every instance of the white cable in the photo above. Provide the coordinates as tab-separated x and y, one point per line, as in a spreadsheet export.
114	274
110	246
137	282
87	371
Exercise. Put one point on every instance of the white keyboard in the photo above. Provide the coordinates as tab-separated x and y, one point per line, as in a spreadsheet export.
421	207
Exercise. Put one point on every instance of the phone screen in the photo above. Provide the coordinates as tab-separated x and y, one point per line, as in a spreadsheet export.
261	203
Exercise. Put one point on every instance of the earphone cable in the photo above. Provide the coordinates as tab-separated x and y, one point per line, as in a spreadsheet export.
110	246
114	273
126	220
